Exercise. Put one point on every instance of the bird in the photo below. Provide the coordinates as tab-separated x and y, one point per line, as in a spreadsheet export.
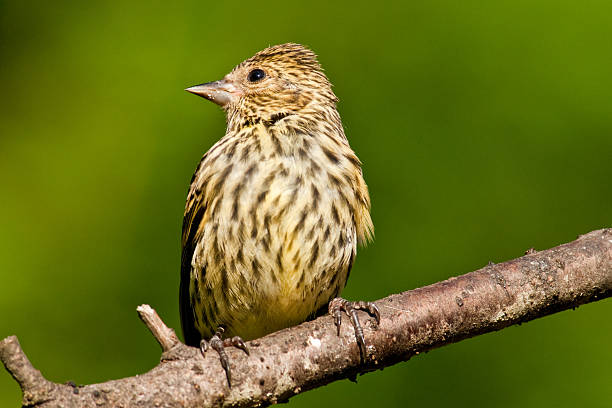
276	208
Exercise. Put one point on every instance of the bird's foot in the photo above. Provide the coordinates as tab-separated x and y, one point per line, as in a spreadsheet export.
339	305
219	344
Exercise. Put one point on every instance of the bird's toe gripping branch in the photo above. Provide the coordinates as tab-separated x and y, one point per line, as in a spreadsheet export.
339	305
218	344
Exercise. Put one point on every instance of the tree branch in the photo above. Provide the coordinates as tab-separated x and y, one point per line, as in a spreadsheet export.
294	360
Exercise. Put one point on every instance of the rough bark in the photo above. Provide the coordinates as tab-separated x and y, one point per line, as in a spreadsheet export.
300	358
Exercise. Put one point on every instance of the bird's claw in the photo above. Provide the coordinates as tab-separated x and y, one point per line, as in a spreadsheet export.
237	342
218	344
339	305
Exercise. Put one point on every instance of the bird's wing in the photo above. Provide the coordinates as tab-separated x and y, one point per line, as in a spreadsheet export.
192	226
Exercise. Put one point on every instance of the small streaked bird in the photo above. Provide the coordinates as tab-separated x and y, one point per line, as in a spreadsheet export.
275	209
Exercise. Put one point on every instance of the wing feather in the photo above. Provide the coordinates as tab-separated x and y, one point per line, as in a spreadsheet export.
192	226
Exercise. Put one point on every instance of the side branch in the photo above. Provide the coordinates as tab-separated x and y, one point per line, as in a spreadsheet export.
293	360
35	387
164	335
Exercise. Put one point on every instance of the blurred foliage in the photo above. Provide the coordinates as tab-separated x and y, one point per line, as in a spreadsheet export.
485	128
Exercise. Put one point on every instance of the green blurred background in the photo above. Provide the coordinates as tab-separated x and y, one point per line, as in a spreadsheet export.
485	128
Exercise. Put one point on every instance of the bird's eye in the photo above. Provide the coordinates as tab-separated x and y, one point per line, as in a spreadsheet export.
256	75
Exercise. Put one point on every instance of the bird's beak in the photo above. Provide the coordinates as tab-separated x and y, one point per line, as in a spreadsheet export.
220	92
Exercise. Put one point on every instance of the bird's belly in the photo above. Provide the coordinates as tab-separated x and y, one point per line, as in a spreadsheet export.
276	308
289	283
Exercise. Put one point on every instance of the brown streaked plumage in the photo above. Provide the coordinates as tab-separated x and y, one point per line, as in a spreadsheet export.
276	207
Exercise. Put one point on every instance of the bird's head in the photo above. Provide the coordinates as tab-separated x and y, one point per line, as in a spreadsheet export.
276	82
